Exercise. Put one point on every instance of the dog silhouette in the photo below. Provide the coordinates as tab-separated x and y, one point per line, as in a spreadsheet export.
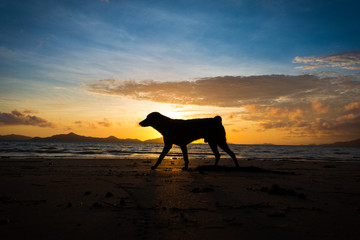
182	132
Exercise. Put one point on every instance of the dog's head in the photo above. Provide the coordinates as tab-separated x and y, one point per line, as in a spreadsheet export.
152	119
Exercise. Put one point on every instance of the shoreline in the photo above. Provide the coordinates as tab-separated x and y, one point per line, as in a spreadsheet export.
103	198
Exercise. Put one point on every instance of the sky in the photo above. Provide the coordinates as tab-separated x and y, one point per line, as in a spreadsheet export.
281	72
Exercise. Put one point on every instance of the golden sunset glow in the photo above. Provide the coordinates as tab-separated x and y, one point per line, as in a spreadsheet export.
98	70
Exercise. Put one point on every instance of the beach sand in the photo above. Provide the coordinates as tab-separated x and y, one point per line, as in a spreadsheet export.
124	199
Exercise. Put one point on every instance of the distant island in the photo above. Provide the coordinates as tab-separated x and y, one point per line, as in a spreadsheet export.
353	143
72	137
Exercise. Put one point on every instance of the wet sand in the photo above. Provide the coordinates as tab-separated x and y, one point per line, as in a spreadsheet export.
124	199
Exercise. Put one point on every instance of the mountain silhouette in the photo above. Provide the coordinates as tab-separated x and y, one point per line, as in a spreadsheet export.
353	143
14	137
72	137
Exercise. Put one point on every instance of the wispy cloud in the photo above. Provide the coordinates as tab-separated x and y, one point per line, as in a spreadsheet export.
344	60
18	118
30	111
59	88
235	91
93	125
105	123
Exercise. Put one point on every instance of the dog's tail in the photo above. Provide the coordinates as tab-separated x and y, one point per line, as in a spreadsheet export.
218	119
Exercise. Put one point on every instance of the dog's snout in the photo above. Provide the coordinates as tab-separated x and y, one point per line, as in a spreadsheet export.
143	123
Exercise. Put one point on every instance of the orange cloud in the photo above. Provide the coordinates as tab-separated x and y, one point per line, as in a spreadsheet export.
304	120
276	112
18	118
319	107
352	111
296	115
252	108
273	124
259	112
354	106
347	117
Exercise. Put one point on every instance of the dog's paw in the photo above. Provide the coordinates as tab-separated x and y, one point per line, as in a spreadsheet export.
185	168
153	167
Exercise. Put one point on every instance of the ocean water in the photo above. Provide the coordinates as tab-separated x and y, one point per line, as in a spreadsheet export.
21	149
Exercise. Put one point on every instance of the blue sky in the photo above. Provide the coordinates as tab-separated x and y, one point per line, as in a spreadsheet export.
50	51
171	40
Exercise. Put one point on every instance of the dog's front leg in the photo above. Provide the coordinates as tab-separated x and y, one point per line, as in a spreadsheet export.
185	154
165	150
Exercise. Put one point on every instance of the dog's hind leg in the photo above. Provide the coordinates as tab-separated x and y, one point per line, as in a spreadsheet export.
215	150
226	148
165	151
185	154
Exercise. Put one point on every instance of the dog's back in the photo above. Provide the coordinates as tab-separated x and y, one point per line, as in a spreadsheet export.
193	129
